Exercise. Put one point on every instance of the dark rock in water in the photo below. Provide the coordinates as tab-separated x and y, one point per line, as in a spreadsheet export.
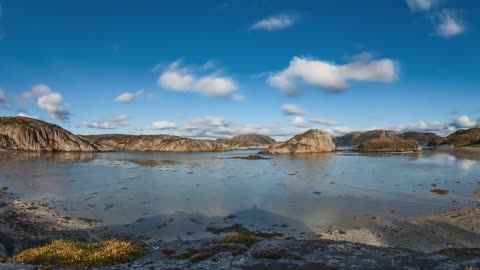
251	157
386	145
312	141
27	134
463	137
248	141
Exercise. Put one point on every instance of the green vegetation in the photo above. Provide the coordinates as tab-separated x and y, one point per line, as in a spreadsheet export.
80	255
242	238
477	145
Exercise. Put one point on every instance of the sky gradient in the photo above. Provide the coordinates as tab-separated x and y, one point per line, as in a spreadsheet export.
213	69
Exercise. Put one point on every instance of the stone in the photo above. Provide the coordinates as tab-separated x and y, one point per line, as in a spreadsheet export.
386	145
312	141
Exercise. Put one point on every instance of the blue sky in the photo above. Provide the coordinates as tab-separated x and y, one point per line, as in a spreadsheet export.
219	68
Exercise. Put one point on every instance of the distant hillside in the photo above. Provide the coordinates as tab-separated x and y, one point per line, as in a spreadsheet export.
356	138
245	141
463	137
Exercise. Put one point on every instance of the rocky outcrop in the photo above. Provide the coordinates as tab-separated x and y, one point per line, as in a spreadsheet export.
390	145
27	134
358	137
248	141
157	143
423	138
312	141
460	138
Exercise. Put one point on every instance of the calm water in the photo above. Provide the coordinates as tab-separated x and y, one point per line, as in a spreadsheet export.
171	195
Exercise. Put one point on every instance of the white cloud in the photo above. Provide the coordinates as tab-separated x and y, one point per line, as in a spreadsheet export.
128	96
339	131
290	109
449	24
212	86
22	114
112	122
275	23
465	122
178	78
324	121
421	126
422	5
163	125
173	80
3	98
51	102
330	76
298	121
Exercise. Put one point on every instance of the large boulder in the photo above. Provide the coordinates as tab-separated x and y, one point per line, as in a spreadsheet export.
157	143
27	134
390	145
246	141
312	141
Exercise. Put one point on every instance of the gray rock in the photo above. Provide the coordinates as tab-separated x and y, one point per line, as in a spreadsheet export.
312	141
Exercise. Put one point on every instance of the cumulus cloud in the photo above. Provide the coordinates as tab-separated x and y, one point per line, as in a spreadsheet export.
128	96
421	126
3	99
449	24
330	76
51	102
465	122
177	78
299	121
112	122
324	121
163	125
290	109
421	5
275	23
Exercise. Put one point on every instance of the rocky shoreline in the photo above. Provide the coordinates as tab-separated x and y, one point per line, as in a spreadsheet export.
448	240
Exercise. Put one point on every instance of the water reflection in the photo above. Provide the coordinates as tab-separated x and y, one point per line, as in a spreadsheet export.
313	191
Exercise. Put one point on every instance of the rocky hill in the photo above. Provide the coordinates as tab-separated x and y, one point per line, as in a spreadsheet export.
390	145
356	138
27	134
158	143
246	141
463	137
312	141
423	138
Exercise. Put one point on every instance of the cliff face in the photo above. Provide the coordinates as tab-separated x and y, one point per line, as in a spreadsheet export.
158	143
245	141
312	141
27	134
357	137
390	145
463	137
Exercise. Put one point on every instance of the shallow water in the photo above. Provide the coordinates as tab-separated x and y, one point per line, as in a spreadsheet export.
174	195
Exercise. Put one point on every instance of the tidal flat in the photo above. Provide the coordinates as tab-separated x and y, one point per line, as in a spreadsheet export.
381	200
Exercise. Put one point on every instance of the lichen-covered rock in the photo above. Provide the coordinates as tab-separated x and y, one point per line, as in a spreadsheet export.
358	137
158	143
247	141
423	138
390	145
27	134
312	141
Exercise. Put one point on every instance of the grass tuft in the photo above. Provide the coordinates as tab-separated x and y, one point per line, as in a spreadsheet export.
242	238
70	254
